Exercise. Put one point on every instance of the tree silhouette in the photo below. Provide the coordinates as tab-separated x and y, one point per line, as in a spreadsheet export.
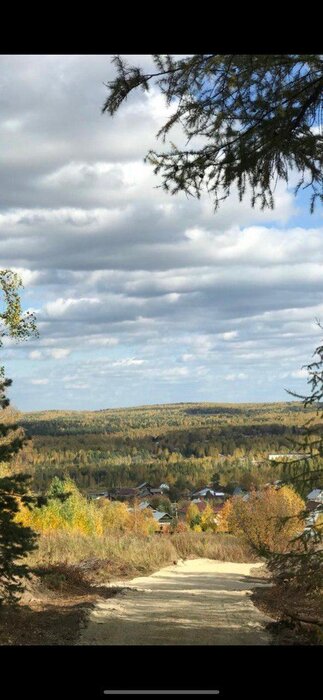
248	120
16	541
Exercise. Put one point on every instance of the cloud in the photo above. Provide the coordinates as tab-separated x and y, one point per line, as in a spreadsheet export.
234	376
59	353
230	335
146	297
128	362
39	382
35	355
300	373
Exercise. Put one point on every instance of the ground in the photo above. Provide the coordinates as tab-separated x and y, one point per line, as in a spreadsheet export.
297	617
201	599
198	602
49	613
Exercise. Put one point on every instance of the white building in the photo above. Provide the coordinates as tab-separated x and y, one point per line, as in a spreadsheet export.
316	495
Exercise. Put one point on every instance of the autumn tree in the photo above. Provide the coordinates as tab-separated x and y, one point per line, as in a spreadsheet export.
193	517
115	515
269	519
248	120
207	521
305	470
223	518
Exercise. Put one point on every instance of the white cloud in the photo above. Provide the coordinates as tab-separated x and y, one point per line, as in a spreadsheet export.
230	335
103	342
127	362
300	373
61	307
35	355
133	278
187	357
59	353
39	381
234	376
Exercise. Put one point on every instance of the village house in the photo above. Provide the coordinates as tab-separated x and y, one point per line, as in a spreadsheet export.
316	496
145	490
237	491
207	492
145	504
288	455
164	520
123	494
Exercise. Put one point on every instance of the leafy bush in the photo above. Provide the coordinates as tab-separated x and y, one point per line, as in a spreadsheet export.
67	509
268	520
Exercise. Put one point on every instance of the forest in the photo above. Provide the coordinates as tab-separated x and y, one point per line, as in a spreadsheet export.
184	445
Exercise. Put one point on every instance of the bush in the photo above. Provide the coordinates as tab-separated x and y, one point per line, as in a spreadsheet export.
67	509
269	520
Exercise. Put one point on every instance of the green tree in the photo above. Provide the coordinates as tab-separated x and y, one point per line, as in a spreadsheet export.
16	541
248	120
13	321
193	517
161	503
305	472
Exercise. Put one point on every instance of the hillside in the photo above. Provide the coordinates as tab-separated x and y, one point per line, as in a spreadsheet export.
185	445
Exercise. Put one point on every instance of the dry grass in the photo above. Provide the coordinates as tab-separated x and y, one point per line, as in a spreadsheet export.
298	617
104	557
212	546
125	555
66	565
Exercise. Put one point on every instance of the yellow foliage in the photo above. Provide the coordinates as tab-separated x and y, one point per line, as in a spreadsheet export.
208	518
142	521
269	519
224	515
4	469
75	514
319	524
115	515
78	515
192	515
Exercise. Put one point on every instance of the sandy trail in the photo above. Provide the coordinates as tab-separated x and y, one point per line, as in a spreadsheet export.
199	601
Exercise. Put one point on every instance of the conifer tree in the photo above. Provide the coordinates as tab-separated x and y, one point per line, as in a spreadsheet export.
248	121
16	541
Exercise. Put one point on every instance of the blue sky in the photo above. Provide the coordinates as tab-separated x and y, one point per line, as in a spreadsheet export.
141	297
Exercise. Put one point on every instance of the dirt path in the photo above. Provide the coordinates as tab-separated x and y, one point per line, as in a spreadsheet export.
199	601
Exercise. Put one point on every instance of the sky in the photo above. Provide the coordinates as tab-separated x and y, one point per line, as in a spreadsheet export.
141	297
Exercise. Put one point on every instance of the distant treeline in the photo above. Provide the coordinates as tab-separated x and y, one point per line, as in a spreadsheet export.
186	445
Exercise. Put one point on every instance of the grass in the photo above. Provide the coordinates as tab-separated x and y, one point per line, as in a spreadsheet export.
211	546
69	568
125	555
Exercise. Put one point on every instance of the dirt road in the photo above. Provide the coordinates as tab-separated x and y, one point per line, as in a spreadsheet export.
198	601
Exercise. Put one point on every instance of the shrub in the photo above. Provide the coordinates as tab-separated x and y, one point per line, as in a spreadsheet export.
269	520
67	509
